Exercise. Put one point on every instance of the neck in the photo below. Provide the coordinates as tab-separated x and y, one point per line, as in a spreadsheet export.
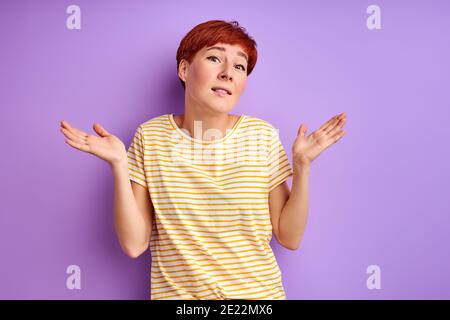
206	126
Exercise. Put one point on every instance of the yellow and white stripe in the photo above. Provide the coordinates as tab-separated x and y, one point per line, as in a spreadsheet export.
211	232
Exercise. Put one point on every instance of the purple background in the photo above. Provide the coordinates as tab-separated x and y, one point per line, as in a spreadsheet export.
379	196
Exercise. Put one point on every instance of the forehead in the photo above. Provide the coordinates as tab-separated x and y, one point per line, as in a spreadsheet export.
227	48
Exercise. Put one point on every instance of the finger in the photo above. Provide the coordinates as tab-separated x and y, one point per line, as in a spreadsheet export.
337	126
338	135
334	120
79	146
326	124
75	131
100	130
73	137
326	128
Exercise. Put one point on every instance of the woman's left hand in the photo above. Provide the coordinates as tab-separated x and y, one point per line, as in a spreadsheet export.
306	148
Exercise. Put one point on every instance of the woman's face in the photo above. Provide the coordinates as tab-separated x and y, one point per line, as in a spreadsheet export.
221	65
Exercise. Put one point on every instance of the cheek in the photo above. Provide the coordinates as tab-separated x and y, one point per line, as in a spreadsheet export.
203	73
241	86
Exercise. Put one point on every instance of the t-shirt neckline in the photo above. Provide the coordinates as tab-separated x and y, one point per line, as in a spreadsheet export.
185	135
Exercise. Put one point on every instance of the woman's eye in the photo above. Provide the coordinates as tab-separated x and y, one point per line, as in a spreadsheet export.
213	57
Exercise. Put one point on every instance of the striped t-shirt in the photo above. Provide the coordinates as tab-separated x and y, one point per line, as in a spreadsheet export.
212	227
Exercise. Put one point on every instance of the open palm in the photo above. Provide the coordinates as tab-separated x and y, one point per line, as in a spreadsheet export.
105	146
307	148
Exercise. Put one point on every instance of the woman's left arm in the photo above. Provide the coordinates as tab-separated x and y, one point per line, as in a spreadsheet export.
293	216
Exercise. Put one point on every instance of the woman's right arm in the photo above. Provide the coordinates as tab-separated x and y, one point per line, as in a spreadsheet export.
133	209
133	212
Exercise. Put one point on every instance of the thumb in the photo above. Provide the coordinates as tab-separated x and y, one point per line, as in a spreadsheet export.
302	129
100	130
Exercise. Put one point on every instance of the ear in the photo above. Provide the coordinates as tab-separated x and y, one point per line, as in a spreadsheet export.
182	69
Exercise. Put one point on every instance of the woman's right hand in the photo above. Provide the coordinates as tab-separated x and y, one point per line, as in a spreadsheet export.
106	146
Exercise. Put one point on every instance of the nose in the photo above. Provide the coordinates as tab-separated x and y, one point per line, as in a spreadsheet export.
226	74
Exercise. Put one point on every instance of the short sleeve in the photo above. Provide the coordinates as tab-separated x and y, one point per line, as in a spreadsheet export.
135	155
277	160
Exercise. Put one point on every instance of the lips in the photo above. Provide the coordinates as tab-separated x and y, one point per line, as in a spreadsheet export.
221	88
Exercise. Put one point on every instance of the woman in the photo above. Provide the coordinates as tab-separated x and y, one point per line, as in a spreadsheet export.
208	188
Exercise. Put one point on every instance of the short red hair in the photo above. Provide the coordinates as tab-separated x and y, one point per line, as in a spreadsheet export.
211	32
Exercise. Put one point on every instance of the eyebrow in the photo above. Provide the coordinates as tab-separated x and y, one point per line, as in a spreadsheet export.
240	53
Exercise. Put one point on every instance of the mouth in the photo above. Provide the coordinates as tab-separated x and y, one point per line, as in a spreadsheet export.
221	91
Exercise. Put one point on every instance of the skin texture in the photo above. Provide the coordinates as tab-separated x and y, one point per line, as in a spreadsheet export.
133	209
